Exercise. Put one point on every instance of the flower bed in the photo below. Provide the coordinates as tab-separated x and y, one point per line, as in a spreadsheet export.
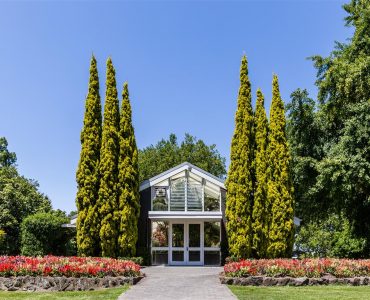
66	266
56	273
297	272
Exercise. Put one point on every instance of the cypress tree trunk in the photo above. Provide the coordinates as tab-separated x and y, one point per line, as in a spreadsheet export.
260	207
108	194
88	170
128	181
239	180
280	190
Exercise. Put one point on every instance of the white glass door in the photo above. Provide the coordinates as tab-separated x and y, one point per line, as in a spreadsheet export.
194	245
177	250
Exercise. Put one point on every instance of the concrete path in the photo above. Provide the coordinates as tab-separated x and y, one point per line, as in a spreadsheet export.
177	283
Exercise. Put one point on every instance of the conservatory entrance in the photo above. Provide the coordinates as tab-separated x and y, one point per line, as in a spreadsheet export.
186	242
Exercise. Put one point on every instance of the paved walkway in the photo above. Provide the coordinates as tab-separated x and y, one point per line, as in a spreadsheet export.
177	283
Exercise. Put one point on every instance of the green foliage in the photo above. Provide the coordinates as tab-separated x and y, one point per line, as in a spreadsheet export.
261	208
305	141
343	77
128	181
280	191
7	158
88	170
239	180
42	234
331	237
2	237
109	153
136	259
344	174
167	154
19	198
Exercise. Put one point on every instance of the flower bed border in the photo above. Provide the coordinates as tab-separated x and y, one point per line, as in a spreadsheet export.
292	281
62	283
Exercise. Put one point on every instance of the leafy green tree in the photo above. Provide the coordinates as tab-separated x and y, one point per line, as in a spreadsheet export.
239	179
344	174
306	146
109	153
128	181
280	190
261	208
168	153
19	198
7	158
42	234
88	170
329	237
343	76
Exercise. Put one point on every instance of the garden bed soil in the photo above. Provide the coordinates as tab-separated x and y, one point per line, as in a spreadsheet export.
291	281
49	283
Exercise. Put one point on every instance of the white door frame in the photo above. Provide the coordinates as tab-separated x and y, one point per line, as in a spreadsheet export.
186	247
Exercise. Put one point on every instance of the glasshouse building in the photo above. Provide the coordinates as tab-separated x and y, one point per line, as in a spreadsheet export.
182	217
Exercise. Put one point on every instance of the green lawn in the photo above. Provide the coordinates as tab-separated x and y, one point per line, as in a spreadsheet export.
106	294
307	293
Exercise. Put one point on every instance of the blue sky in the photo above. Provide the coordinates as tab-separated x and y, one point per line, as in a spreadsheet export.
180	58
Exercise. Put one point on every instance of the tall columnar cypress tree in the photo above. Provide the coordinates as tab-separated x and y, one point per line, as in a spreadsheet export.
260	207
280	190
108	192
128	181
88	170
239	180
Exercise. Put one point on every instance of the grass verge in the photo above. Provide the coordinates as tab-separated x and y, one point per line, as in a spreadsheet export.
307	292
106	294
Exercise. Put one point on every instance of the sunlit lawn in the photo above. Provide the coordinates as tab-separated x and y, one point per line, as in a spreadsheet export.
106	294
307	293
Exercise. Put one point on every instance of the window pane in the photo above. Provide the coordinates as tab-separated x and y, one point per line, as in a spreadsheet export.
177	202
160	257
211	234
177	255
177	235
160	201
194	235
194	255
194	195
211	198
160	234
212	257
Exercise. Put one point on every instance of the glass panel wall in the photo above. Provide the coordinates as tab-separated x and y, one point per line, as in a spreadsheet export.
159	234
177	202
160	202
159	257
186	191
194	194
211	197
212	234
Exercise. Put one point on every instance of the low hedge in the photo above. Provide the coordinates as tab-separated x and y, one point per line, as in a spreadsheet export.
311	268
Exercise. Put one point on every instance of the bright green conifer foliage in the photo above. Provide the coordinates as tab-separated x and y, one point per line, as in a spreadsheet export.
280	190
88	170
128	181
260	211
108	193
239	180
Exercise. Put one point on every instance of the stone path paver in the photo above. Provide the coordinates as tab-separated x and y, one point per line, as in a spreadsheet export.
178	283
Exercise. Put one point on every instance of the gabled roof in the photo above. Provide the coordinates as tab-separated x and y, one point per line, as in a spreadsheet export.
175	170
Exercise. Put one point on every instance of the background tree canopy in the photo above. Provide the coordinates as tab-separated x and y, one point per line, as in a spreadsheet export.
167	154
330	141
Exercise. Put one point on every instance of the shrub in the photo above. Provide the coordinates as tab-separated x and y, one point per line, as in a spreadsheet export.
42	234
